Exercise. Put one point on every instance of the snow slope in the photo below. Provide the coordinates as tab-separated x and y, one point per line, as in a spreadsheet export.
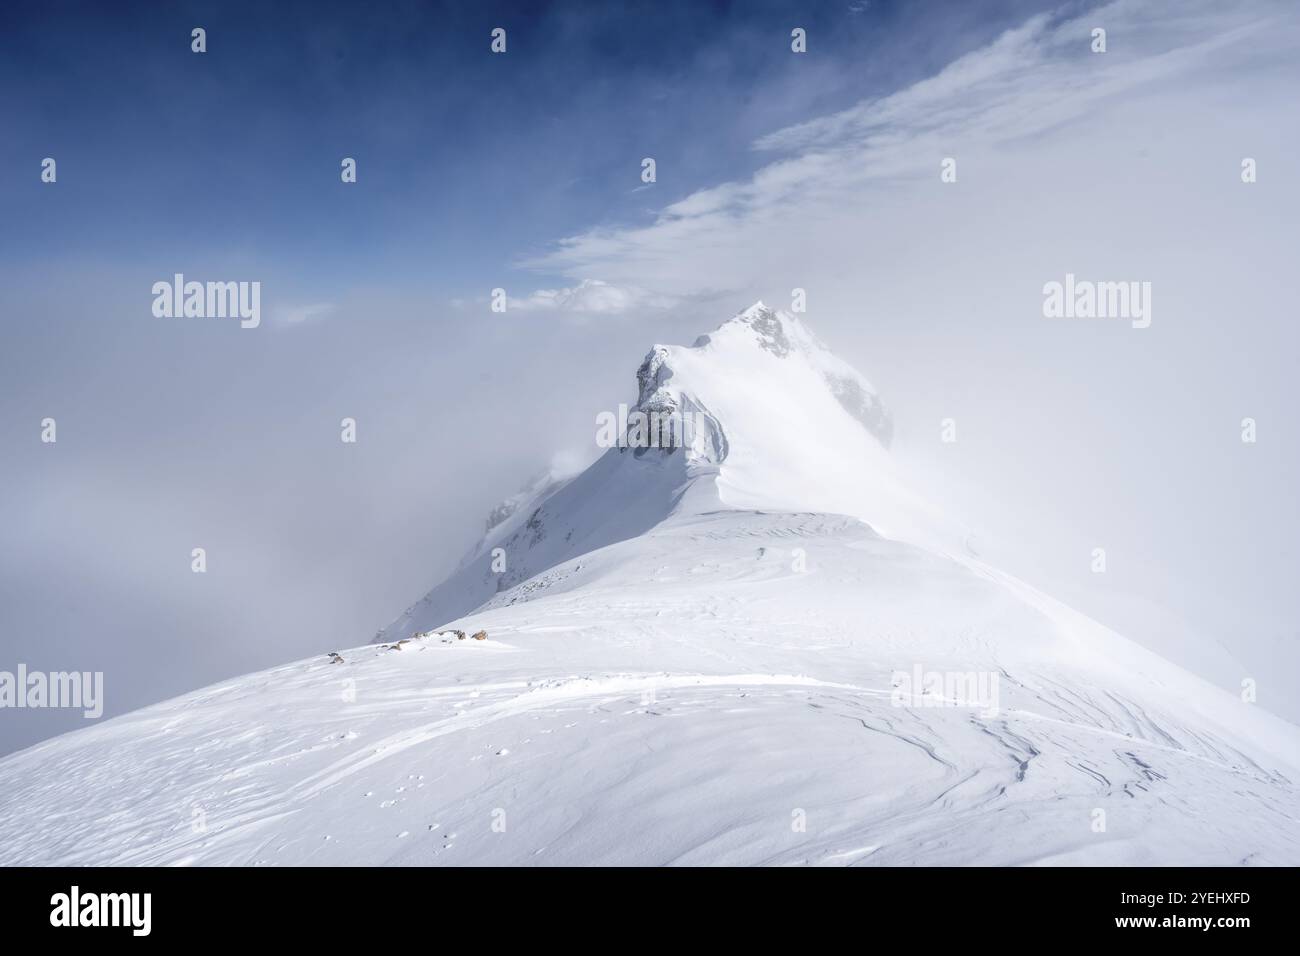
694	657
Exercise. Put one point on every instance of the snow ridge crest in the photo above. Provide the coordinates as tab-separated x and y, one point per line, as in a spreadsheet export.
783	336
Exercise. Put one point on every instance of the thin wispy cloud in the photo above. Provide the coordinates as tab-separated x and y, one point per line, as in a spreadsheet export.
1036	78
300	314
590	297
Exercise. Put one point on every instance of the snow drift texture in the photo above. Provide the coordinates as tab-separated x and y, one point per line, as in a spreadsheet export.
691	657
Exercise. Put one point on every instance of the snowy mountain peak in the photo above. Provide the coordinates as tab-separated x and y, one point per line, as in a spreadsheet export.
929	708
779	333
759	415
760	332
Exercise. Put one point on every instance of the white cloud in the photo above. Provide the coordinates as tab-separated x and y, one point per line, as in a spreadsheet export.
588	297
298	314
838	171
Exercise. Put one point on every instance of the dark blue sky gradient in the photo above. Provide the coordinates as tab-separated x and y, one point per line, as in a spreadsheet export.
468	161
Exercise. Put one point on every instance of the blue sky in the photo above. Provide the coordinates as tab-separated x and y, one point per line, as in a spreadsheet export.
522	170
468	162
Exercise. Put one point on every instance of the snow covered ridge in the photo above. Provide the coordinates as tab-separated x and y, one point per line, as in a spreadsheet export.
779	335
783	335
757	413
759	648
669	415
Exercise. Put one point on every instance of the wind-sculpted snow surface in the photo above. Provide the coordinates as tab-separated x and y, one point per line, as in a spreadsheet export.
690	678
